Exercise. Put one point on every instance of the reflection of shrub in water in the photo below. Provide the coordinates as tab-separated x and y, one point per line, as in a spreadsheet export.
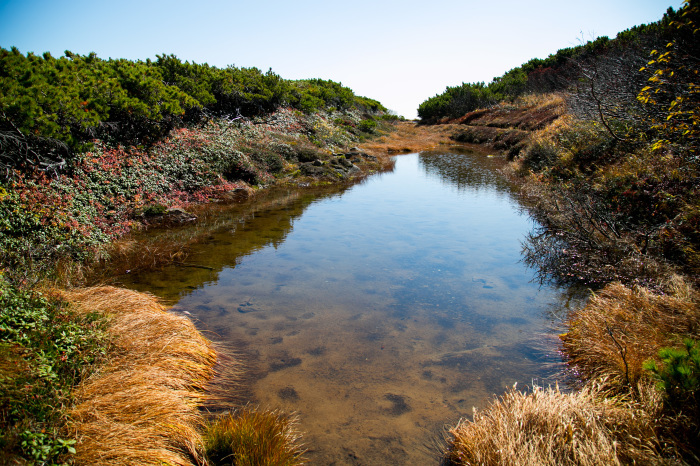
580	240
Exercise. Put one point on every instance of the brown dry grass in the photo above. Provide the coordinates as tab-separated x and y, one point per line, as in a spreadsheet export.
142	407
528	113
253	437
548	427
621	327
410	137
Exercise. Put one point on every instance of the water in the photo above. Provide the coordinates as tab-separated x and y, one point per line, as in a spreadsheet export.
380	313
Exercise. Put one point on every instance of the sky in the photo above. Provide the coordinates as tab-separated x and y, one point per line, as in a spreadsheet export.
398	52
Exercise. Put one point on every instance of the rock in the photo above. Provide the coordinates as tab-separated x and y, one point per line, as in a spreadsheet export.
311	169
344	161
355	153
237	195
160	215
177	215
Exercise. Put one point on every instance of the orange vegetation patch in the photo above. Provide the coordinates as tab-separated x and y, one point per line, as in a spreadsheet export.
548	427
143	406
529	113
411	137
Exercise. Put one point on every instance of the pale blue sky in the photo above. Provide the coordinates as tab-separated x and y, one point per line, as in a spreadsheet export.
398	52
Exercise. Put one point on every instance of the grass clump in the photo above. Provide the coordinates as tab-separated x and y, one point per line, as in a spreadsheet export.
143	406
621	328
250	437
627	338
548	427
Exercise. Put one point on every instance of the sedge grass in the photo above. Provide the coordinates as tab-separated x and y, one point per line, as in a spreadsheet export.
142	407
620	328
548	427
254	437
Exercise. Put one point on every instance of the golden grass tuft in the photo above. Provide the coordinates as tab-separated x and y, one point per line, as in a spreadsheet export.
537	100
548	427
253	437
620	328
410	137
142	407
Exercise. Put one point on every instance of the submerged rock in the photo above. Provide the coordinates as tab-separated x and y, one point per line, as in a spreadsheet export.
170	216
177	215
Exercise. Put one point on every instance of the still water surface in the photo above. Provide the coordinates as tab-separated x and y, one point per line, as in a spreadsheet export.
379	313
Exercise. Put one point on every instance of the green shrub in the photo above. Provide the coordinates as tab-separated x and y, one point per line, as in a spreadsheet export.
367	126
153	210
268	160
54	108
540	155
307	154
679	375
678	378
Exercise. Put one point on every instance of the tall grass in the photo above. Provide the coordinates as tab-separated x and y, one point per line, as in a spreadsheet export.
253	437
142	407
548	427
620	328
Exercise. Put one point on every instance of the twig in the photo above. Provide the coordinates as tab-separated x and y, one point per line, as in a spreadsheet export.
184	264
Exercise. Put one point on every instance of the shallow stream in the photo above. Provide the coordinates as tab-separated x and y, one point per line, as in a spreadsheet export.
379	313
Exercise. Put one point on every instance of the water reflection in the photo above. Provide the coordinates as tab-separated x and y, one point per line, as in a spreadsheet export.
379	313
222	236
462	172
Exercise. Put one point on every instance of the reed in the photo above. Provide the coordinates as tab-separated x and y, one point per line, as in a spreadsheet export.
548	427
142	407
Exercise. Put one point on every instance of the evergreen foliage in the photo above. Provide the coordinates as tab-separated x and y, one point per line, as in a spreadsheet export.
679	375
52	108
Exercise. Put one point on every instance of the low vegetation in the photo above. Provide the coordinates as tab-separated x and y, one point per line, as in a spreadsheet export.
141	406
46	349
613	183
603	137
558	72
